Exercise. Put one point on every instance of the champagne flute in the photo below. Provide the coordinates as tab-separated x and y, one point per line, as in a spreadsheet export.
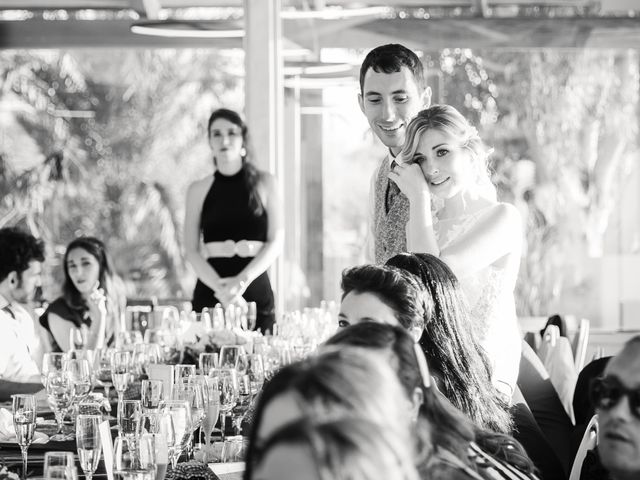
161	451
183	371
88	443
120	372
24	423
212	411
252	315
151	392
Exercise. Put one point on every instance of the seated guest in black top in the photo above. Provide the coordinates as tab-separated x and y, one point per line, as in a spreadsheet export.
92	301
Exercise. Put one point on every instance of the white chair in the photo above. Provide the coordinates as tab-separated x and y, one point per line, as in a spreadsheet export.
589	442
580	343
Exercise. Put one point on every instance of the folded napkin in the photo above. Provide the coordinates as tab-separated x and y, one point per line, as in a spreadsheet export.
8	433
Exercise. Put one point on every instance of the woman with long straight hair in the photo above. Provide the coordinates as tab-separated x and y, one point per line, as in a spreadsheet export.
92	301
237	213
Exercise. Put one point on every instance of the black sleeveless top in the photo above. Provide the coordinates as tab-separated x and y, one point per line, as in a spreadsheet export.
226	214
76	316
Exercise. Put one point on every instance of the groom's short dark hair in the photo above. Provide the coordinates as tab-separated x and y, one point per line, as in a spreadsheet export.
391	58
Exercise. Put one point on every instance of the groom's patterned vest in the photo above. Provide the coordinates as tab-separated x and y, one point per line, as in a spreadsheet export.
389	227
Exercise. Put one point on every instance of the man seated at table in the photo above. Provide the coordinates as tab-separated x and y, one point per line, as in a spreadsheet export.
616	397
20	257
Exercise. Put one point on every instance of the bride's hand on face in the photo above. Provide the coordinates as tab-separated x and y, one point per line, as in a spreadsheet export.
410	180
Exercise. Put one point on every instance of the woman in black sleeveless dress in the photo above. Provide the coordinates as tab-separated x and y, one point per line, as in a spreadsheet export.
237	211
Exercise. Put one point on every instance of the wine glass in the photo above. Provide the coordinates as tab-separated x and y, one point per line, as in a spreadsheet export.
24	423
60	396
229	355
180	413
129	412
88	442
226	381
150	395
183	371
207	361
102	368
120	372
193	394
255	372
58	465
79	373
134	459
52	362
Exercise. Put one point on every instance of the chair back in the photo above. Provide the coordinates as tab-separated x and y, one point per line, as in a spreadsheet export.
589	442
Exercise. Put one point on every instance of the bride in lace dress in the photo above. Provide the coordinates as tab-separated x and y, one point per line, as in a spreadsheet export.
454	214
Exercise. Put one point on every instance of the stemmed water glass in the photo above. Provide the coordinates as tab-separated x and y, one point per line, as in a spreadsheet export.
134	459
88	442
77	338
151	392
252	315
120	372
60	397
129	413
226	381
180	413
193	394
24	423
52	362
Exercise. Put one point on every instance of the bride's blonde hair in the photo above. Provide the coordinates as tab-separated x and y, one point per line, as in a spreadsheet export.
450	121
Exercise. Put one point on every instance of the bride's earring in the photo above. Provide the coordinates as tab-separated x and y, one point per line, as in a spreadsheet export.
243	152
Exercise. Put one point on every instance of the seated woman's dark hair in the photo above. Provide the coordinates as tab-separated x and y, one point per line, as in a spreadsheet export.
394	287
450	344
450	428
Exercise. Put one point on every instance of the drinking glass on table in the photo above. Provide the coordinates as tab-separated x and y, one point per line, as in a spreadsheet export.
226	381
59	465
79	373
88	443
180	413
212	411
181	372
207	361
161	451
52	362
129	413
120	372
24	423
60	397
102	368
229	355
151	392
192	393
134	460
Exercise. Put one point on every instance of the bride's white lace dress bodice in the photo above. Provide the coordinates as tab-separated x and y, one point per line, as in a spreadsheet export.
489	294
